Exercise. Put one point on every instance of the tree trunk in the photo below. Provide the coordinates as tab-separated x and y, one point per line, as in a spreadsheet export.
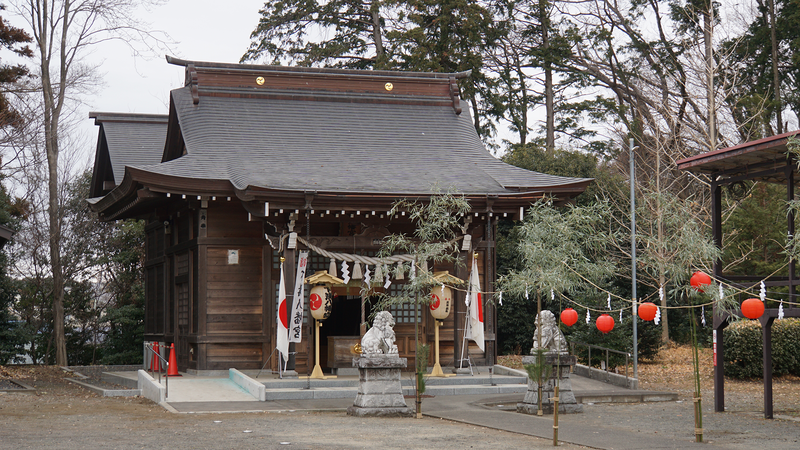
376	31
708	35
548	78
54	215
52	103
776	80
523	119
661	249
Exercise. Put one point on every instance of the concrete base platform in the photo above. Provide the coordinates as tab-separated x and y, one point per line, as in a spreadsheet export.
379	412
339	393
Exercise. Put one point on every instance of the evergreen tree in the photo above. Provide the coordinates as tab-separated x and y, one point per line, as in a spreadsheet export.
11	334
11	124
287	33
765	69
14	39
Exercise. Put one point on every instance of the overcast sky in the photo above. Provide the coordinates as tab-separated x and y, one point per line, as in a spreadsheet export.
202	30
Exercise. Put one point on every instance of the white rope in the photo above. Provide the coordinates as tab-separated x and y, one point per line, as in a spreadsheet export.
367	260
349	257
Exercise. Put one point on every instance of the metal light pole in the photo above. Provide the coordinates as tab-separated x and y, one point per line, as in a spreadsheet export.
633	264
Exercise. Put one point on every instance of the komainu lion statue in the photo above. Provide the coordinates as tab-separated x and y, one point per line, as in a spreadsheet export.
552	338
380	338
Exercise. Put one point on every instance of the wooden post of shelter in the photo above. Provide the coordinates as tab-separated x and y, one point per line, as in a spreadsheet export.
764	160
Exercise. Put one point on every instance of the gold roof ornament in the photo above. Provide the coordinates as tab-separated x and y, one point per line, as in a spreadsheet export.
444	276
322	277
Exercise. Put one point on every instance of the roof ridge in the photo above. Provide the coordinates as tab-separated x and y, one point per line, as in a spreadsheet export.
208	65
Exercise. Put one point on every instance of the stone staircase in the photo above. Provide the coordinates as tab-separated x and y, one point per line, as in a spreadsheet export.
347	387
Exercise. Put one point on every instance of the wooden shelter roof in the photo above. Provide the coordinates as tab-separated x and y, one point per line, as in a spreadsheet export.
125	140
261	132
6	234
761	160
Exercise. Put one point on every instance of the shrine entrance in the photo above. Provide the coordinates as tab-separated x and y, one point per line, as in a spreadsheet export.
340	332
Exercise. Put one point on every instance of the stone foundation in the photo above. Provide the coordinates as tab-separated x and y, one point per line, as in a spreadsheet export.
380	392
567	403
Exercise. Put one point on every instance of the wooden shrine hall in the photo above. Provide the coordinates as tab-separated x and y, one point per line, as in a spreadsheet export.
249	154
765	160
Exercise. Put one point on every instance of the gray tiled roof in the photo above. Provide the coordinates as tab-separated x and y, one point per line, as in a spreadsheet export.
133	139
336	146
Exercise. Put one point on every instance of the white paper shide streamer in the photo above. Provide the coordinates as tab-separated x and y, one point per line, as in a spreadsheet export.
703	315
345	272
608	301
780	311
500	298
763	292
657	319
388	281
588	317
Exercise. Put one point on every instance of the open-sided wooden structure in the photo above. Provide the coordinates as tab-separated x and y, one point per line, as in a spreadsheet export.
248	154
765	160
5	235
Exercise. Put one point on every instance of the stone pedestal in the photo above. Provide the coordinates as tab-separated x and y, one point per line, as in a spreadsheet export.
560	370
380	392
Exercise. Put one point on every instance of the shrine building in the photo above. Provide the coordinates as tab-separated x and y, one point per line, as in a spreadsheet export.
253	163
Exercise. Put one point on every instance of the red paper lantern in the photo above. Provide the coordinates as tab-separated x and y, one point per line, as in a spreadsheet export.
569	316
699	281
320	302
752	308
605	323
647	311
441	302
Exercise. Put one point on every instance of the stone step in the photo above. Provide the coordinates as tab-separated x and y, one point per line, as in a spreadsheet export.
407	380
626	397
350	392
121	378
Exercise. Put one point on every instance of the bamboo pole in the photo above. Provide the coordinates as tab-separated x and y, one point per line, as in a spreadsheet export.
555	413
539	354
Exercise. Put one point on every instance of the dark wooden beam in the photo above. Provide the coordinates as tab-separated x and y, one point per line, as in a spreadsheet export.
766	338
718	347
790	162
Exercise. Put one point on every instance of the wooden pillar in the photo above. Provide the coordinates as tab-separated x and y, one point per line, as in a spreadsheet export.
719	322
459	308
790	219
269	303
490	344
766	337
719	362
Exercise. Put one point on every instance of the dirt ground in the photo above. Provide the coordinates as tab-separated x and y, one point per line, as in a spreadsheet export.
672	371
65	416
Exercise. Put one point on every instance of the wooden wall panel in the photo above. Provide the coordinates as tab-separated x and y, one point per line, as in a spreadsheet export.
234	303
242	356
229	219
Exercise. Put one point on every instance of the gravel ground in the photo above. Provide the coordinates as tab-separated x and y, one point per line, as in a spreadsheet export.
65	416
730	430
76	420
672	371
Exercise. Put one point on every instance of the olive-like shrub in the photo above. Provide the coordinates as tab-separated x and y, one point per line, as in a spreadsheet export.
743	348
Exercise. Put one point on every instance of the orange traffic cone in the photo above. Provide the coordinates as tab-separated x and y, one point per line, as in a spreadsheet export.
155	363
172	367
